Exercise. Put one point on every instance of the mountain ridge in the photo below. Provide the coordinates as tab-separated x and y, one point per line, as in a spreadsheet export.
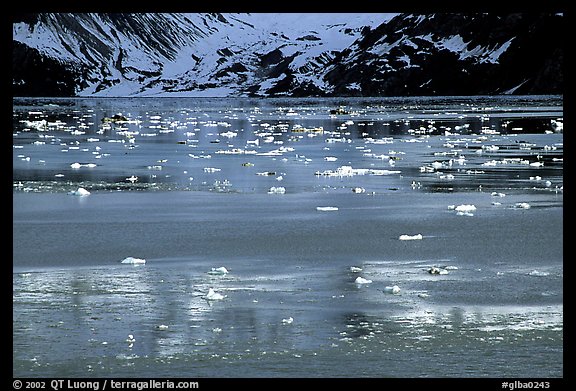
290	54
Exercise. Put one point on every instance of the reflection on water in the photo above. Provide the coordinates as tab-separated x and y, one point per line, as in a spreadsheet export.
118	319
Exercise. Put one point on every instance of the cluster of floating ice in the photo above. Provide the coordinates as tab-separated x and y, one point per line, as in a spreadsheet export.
348	171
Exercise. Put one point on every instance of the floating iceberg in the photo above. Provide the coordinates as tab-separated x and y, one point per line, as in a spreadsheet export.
81	192
392	289
464	209
220	271
361	280
133	261
214	295
411	237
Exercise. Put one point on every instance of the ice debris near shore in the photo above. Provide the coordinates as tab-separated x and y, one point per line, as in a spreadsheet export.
133	261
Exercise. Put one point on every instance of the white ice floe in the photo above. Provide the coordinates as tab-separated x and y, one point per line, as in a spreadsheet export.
411	237
133	261
288	320
219	271
358	190
277	190
463	210
326	208
361	280
348	171
78	165
212	295
395	289
355	269
437	270
522	205
162	327
538	273
81	192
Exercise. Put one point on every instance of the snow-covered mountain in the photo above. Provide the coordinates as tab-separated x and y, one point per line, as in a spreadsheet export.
301	54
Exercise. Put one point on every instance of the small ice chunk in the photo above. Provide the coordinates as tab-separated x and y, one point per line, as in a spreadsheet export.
410	237
212	295
133	261
162	327
437	270
395	289
130	339
326	208
522	205
288	320
358	190
355	269
361	280
277	190
220	271
465	208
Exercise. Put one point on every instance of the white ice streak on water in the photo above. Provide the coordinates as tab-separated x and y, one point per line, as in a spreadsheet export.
326	208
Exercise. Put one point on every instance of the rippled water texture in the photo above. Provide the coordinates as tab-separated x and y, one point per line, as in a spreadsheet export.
398	237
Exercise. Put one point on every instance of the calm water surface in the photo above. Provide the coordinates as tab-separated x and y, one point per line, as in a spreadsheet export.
297	204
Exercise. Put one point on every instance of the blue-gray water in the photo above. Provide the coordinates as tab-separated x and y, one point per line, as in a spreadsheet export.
186	184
